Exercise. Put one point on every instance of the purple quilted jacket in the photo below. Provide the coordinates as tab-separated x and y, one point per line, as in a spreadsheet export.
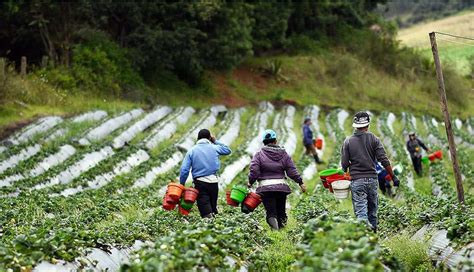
272	162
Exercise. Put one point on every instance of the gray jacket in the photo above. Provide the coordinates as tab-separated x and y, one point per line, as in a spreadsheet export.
360	152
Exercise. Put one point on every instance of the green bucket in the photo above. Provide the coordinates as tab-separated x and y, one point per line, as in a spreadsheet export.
398	169
425	160
330	172
238	193
185	205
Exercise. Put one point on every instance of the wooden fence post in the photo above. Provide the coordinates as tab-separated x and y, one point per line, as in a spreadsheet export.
3	72
23	66
447	118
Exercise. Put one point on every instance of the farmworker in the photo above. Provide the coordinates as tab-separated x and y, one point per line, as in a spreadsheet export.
414	146
359	154
308	140
203	160
384	180
269	167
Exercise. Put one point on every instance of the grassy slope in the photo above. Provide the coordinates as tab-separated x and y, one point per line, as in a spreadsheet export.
453	52
331	79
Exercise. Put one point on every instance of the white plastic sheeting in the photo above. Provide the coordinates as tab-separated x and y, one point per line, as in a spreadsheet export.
63	154
164	167
95	260
233	129
56	134
260	126
122	167
24	154
141	125
42	125
109	126
90	116
341	118
253	145
87	162
313	113
167	129
441	250
390	120
458	123
207	121
290	140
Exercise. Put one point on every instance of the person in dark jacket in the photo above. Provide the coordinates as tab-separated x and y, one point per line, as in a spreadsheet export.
414	146
359	154
308	140
269	167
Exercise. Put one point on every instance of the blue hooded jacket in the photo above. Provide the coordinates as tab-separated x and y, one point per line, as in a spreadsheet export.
203	159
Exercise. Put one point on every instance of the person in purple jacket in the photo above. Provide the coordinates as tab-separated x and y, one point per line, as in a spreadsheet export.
269	167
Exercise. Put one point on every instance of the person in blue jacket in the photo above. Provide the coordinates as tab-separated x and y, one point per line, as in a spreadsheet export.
308	140
203	162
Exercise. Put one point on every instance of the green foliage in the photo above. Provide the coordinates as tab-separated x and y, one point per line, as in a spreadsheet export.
412	253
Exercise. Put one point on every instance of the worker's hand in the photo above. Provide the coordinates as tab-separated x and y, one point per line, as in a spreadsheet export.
396	181
249	185
428	149
213	139
303	187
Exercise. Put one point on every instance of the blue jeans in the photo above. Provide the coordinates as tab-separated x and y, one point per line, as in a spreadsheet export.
365	200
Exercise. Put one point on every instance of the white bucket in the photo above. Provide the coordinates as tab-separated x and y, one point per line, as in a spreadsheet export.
341	188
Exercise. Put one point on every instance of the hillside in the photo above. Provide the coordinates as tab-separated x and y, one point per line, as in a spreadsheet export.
457	52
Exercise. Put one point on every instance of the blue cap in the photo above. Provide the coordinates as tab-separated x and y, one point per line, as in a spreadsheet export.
269	134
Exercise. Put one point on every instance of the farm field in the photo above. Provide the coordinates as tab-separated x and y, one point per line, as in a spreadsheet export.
85	193
456	52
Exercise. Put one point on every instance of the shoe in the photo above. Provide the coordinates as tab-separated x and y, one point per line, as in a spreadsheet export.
273	222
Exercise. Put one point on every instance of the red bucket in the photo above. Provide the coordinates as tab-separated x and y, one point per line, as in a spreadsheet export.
438	154
318	143
190	195
252	200
432	157
183	211
168	203
229	200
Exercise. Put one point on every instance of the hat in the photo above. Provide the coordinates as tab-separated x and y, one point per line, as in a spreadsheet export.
411	133
306	119
361	119
269	134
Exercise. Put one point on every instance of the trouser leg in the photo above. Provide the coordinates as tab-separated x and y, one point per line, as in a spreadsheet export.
270	203
281	209
204	199
373	202
359	199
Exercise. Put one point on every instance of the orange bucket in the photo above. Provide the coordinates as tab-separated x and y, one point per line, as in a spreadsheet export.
175	190
432	157
319	143
190	195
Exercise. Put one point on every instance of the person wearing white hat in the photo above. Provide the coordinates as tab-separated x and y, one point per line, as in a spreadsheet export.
359	155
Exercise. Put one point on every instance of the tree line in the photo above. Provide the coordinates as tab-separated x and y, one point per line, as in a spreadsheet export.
184	37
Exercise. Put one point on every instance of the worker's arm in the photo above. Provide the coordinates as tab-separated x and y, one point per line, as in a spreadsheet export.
221	148
185	168
308	136
291	171
423	145
381	156
254	172
345	162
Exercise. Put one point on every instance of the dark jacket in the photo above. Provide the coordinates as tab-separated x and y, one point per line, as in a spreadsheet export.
307	135
272	162
412	145
360	152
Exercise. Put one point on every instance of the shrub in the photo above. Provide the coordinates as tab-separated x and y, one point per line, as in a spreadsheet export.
413	254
